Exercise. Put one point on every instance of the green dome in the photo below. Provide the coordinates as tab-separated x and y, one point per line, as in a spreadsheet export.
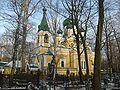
68	23
59	31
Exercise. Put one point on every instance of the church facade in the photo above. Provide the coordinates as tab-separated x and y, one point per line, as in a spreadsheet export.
63	54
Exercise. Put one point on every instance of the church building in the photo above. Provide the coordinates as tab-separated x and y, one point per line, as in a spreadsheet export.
64	52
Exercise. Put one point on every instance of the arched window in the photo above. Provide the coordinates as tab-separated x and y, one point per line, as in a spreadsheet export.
62	63
46	38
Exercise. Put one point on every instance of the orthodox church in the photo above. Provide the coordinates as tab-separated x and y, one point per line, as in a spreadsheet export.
64	53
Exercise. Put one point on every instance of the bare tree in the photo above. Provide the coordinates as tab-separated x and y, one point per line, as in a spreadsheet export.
18	12
97	60
27	12
18	21
111	35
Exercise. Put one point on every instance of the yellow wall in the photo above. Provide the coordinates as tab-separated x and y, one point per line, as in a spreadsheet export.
67	54
7	70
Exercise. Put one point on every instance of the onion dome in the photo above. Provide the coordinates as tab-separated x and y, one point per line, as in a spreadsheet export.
59	31
68	23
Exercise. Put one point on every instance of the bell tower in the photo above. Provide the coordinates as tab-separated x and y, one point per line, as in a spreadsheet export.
43	37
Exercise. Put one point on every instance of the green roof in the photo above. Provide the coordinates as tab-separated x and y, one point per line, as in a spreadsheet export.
2	64
33	66
44	25
68	22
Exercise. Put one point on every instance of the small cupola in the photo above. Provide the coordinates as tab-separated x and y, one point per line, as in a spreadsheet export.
59	31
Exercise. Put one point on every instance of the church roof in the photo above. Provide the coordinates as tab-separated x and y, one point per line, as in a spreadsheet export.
68	23
2	64
44	25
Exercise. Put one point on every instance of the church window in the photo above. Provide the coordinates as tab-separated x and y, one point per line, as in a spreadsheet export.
62	63
46	38
83	64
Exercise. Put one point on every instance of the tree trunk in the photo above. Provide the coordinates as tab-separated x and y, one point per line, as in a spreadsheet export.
86	56
79	59
16	45
55	67
74	15
23	51
15	49
97	60
24	34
